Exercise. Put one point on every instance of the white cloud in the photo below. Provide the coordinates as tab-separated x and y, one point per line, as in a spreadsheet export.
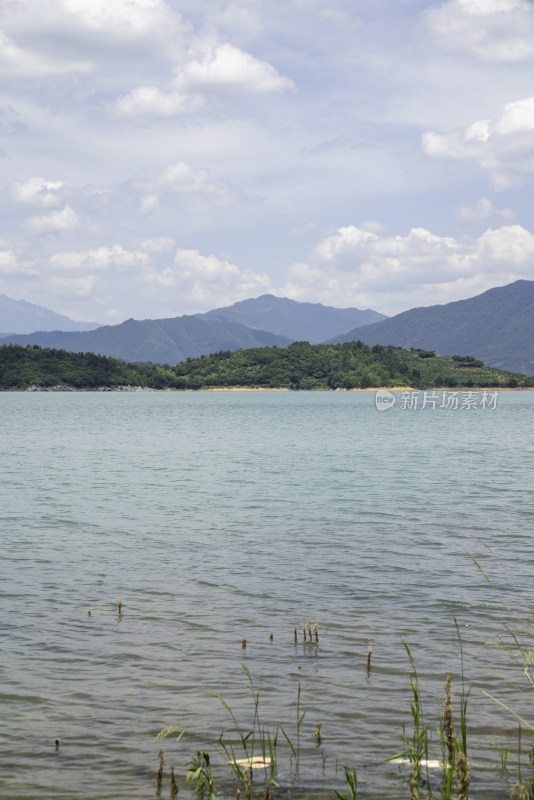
98	24
216	69
148	203
483	211
237	17
502	147
391	273
56	222
83	274
64	40
340	18
127	18
38	192
113	316
156	244
99	259
148	102
227	68
23	62
207	281
372	226
491	30
71	287
181	179
9	265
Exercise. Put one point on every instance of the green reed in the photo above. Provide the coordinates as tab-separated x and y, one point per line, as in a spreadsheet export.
416	744
296	750
503	757
249	741
352	782
199	774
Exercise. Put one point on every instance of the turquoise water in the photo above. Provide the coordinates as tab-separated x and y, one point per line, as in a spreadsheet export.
218	517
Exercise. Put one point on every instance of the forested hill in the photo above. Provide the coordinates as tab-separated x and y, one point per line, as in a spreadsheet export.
300	366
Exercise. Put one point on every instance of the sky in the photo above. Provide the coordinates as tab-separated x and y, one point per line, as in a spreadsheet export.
160	158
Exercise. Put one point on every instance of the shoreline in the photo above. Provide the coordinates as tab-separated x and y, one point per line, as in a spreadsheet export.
122	389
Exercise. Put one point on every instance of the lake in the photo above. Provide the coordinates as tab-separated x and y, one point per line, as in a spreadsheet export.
222	516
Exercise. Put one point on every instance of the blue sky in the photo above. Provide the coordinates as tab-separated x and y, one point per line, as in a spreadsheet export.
160	158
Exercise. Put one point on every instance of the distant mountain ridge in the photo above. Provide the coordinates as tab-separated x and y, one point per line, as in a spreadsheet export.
169	341
19	316
310	322
161	341
496	326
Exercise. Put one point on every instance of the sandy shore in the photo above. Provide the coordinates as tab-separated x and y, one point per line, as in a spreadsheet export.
241	389
368	389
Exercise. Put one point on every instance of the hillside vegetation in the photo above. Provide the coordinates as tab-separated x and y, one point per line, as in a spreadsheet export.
300	366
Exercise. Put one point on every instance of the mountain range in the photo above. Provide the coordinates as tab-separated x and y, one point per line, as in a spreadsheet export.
309	322
270	321
496	326
161	341
19	316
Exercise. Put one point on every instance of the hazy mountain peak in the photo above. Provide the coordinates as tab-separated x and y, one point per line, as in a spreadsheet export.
20	316
312	322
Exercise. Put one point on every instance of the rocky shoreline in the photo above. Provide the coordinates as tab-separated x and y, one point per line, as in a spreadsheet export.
64	388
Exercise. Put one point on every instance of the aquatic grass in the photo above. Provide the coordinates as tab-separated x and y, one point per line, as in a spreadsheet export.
253	744
250	741
416	745
296	750
503	757
199	774
464	697
169	731
352	781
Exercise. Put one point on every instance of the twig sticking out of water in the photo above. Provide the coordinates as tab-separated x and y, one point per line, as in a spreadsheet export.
160	770
307	629
247	778
271	637
58	743
369	653
174	783
295	633
243	643
448	727
317	733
